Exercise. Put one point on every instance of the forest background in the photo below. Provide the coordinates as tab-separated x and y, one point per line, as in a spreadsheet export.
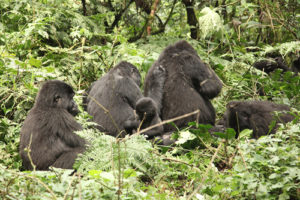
78	41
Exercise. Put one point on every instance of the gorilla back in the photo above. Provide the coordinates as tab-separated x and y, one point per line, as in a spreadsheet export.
117	91
255	115
47	135
181	83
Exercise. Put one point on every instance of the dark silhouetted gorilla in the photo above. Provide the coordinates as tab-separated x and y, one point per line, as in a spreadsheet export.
296	66
117	91
180	83
48	131
271	64
255	115
147	111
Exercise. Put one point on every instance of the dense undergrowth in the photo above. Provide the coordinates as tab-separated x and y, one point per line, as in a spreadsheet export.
47	39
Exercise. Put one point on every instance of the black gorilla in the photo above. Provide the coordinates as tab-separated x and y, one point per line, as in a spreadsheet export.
271	64
117	91
255	115
147	111
296	66
179	82
48	131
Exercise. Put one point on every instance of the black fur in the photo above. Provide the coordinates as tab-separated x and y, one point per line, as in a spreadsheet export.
179	82
271	64
48	130
146	109
255	115
296	66
118	91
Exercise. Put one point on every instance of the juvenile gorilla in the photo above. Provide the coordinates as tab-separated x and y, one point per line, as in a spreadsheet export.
255	115
147	111
48	131
117	91
180	83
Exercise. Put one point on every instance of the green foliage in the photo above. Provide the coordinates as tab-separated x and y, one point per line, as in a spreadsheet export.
209	22
51	39
264	169
134	151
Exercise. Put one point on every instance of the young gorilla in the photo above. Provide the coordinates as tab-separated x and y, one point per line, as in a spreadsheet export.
255	115
48	131
147	111
180	83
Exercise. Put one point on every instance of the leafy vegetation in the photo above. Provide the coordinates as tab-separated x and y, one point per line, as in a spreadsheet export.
62	39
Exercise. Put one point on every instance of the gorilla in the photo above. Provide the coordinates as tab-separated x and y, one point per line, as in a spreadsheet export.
180	82
47	134
296	66
255	115
147	112
113	98
271	64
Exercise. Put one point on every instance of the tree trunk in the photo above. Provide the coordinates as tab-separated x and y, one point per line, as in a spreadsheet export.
191	17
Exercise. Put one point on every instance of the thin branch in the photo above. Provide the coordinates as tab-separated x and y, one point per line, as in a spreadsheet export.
167	121
118	17
69	187
171	12
161	30
151	17
206	172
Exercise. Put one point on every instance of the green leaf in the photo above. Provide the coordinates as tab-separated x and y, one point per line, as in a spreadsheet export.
44	34
274	175
184	136
130	173
35	62
245	133
95	173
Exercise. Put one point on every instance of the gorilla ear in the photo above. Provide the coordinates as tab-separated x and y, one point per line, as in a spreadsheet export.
56	98
232	104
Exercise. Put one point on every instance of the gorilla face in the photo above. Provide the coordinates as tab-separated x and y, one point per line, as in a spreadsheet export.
238	117
64	99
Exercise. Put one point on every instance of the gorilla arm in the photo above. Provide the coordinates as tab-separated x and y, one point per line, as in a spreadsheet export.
154	85
130	94
204	79
65	129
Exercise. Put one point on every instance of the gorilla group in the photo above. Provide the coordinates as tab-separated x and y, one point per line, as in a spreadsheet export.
178	83
47	135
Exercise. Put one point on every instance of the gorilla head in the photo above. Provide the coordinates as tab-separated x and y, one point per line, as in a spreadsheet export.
126	69
57	94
